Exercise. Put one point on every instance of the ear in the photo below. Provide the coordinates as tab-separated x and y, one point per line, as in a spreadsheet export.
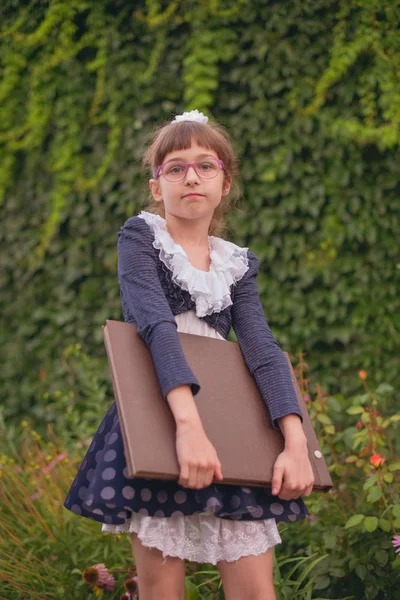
226	186
155	189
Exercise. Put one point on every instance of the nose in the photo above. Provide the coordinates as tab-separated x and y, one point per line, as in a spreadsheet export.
191	175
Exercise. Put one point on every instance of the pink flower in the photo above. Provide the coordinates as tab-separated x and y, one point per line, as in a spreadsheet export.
359	425
307	397
105	580
99	576
396	543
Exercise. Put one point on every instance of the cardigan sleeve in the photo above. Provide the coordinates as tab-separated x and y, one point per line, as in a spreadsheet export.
262	353
144	299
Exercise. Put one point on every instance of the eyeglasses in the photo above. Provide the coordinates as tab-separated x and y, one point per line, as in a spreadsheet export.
176	170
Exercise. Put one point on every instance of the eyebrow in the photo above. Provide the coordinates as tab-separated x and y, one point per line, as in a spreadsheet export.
197	156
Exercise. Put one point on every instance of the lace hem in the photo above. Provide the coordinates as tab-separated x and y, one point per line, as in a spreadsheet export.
201	538
210	290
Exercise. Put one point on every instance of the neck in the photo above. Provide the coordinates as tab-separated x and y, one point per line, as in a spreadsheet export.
188	232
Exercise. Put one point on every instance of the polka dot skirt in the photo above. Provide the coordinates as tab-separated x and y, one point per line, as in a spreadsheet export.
102	491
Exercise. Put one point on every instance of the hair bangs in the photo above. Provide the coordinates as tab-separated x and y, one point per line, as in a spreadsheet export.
179	136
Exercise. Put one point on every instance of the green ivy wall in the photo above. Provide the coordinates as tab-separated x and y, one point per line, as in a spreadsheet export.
309	90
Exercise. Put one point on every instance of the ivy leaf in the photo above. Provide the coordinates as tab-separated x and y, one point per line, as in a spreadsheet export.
384	524
396	510
361	571
354	520
330	429
382	557
351	459
370	482
374	494
355	410
324	419
370	523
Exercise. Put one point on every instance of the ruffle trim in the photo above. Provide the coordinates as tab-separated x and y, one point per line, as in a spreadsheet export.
200	537
210	290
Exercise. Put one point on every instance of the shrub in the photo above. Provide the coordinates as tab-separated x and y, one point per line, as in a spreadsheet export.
355	523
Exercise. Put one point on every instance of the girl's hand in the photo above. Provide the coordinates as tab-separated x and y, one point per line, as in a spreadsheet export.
197	457
293	475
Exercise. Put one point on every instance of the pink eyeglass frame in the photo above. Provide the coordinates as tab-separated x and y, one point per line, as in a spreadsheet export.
220	162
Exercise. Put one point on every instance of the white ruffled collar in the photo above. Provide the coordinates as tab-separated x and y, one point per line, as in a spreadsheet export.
210	290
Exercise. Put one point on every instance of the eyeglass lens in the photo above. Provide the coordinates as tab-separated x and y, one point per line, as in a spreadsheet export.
205	168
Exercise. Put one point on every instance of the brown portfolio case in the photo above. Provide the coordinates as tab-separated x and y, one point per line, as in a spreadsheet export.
230	405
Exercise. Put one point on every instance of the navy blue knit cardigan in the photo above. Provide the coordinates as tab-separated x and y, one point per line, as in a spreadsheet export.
150	299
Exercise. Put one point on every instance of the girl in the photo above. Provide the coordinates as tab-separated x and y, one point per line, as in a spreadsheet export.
174	275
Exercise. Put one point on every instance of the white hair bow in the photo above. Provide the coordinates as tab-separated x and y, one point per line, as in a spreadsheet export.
193	115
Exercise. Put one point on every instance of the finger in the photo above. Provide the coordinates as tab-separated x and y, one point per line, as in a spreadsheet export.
285	492
210	475
288	493
277	480
192	477
218	471
202	472
184	475
208	478
215	473
309	490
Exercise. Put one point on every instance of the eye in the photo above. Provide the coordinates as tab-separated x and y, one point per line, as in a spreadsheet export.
208	165
175	168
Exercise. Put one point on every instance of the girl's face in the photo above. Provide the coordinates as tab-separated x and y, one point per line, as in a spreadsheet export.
174	194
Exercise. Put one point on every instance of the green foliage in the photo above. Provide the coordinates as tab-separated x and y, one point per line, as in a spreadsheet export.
45	549
342	551
73	407
363	33
355	522
307	90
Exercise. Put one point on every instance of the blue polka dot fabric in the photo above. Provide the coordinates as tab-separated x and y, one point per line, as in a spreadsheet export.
102	491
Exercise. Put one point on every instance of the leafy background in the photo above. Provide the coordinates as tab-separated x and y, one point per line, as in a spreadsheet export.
310	93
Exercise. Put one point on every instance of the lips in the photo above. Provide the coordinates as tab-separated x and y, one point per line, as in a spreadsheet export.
192	194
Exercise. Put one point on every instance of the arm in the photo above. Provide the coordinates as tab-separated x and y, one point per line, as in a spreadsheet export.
262	354
292	431
144	299
144	302
184	408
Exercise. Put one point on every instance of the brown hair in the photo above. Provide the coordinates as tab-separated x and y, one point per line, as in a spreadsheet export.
169	137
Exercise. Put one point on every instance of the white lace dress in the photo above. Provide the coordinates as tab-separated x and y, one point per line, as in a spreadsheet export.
201	537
